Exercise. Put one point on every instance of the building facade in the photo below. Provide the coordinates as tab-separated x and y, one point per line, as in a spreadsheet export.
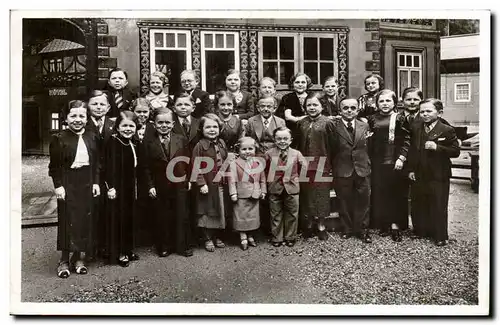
73	56
460	79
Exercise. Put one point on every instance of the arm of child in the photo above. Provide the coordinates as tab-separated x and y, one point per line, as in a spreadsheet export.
449	146
197	165
232	179
55	164
263	186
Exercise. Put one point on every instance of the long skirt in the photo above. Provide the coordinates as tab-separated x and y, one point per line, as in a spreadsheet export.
215	221
314	199
246	216
389	197
74	230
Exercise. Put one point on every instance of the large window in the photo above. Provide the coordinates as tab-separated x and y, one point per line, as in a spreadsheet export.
462	92
284	54
219	53
170	54
409	73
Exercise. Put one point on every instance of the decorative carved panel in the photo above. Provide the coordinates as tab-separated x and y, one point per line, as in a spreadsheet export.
244	59
145	64
343	73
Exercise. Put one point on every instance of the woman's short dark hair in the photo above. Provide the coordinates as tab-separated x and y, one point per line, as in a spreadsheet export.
387	92
125	115
300	74
220	94
378	77
74	104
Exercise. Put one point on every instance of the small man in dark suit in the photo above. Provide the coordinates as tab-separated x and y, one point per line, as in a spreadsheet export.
189	83
433	143
351	170
261	127
160	174
119	95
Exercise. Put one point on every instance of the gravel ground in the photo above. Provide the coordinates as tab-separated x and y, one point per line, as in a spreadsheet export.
333	272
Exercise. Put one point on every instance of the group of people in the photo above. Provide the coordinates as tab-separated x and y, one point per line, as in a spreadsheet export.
203	169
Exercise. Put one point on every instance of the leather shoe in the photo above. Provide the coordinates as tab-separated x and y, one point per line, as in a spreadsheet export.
366	238
187	253
396	235
441	243
133	256
322	234
345	235
163	253
123	261
290	243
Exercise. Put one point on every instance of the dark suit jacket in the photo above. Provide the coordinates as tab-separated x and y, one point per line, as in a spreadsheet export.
128	98
62	150
245	109
203	104
107	129
153	163
189	139
432	165
284	177
350	155
255	128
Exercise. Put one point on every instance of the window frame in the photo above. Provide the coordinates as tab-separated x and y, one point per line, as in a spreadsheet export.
335	39
455	93
399	68
299	58
154	48
296	54
203	51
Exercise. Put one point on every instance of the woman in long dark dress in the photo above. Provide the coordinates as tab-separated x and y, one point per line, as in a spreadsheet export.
74	168
120	171
314	140
388	151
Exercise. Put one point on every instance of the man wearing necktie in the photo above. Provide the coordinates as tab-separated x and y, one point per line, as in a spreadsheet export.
351	170
119	95
433	143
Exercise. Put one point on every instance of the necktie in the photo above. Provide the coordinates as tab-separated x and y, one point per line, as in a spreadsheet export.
266	124
427	128
165	143
283	156
100	123
350	128
118	100
186	126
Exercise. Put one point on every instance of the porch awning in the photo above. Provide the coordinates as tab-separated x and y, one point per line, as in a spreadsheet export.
59	45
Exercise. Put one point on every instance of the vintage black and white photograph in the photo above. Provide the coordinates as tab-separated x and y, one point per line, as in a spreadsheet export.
285	164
